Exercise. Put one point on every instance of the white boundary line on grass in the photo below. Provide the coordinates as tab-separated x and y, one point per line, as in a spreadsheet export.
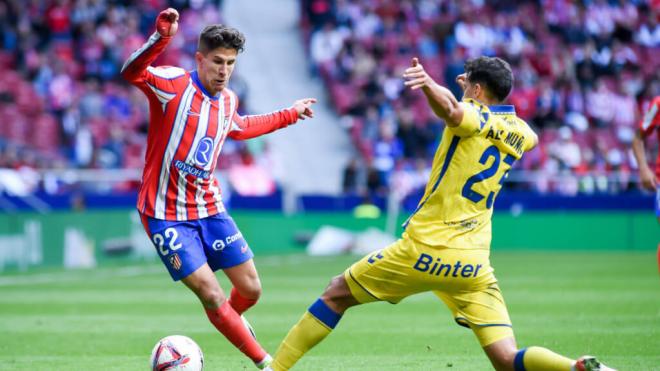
78	275
130	271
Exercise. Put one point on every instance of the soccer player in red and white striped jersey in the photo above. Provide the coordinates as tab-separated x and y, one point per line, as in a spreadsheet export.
192	114
649	179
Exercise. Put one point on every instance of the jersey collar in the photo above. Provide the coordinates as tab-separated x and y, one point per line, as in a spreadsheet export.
195	78
504	109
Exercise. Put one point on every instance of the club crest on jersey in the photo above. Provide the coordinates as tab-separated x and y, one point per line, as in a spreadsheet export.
204	151
175	261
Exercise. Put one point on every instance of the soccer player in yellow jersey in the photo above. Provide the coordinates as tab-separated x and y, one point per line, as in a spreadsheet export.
445	246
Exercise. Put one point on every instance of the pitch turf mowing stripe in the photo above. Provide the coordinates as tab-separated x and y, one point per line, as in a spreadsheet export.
573	303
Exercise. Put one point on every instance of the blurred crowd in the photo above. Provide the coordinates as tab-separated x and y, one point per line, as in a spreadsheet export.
584	71
62	100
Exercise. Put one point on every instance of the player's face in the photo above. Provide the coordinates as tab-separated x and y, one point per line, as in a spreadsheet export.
215	68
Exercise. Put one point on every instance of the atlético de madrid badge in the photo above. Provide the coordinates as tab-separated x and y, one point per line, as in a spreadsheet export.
175	261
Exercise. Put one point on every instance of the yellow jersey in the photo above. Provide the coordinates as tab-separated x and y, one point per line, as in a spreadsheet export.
469	167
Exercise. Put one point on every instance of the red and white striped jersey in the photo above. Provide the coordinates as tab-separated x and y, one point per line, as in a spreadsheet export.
187	128
651	123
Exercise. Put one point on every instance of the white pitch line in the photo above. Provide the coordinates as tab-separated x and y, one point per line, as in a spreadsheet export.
131	271
71	276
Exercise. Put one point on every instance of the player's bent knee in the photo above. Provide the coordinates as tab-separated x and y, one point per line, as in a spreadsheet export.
211	298
337	288
252	292
338	296
502	354
505	361
248	287
502	361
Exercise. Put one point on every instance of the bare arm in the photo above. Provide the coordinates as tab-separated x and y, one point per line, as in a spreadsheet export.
646	175
442	101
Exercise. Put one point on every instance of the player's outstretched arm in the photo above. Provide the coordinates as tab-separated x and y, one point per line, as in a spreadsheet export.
256	125
442	101
167	24
646	176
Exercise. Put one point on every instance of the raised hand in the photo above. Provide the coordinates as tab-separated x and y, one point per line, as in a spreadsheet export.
461	81
304	107
167	22
415	76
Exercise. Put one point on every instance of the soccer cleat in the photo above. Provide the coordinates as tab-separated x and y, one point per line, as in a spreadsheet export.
265	363
589	363
249	327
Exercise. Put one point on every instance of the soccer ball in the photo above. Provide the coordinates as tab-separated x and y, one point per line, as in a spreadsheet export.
177	353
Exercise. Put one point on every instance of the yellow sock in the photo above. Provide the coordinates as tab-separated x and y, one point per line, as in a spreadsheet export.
313	327
541	359
302	337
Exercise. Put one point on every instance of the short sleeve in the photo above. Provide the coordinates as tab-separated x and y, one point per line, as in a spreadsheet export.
531	139
473	120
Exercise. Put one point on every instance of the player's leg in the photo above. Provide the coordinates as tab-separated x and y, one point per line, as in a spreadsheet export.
499	344
484	311
246	289
247	286
315	324
205	285
182	251
226	249
383	275
477	303
505	356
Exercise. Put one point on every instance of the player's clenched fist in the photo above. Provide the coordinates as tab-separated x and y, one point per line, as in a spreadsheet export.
167	22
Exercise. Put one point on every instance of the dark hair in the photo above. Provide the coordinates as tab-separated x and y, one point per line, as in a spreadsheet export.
493	73
220	36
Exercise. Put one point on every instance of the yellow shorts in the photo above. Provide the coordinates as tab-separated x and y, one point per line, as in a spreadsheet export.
463	279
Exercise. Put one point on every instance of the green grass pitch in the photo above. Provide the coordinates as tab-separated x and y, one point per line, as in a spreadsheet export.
602	303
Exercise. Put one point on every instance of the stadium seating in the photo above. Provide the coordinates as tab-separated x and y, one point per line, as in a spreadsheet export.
587	68
61	97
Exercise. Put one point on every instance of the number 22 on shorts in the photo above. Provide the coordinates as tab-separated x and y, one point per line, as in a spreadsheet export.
168	237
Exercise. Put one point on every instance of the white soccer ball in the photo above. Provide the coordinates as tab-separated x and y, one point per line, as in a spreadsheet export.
177	352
